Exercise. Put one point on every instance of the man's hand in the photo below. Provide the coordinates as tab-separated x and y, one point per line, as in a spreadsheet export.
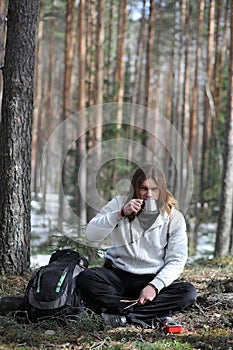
147	294
133	206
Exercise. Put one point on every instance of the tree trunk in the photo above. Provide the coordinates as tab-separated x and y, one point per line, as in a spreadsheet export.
194	101
67	98
109	49
221	63
2	43
37	143
120	63
207	120
224	239
49	115
82	122
90	52
119	81
194	137
137	75
16	137
96	153
175	89
150	57
149	123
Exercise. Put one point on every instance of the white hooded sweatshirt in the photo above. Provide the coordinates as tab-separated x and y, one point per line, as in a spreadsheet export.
160	250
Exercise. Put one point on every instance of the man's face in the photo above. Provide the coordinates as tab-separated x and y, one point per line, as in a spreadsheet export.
149	189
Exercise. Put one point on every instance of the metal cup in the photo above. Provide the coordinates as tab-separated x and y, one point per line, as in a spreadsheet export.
151	206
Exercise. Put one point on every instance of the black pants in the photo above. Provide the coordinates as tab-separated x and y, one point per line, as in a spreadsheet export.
102	290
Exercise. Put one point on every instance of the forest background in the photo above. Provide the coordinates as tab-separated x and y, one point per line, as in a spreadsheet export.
117	84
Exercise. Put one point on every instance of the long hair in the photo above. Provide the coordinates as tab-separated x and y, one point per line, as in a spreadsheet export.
165	201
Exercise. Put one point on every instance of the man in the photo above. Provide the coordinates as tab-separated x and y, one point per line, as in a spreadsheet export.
148	254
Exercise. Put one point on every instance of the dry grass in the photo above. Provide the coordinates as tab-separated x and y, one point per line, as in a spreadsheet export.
208	325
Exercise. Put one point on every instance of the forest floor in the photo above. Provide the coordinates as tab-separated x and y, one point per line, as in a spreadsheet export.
207	325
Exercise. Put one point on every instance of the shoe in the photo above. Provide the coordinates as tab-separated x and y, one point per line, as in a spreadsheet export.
114	320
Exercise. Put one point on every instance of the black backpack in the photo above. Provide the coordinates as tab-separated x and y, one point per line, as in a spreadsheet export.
52	289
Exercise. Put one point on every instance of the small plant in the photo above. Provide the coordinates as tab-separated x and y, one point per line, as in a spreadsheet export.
164	344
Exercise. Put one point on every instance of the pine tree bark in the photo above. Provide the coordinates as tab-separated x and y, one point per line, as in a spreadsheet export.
16	137
2	43
224	238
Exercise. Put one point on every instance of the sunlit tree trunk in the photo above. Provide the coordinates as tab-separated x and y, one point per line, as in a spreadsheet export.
224	240
16	137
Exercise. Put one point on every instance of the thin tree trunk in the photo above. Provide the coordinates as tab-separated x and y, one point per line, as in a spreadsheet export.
67	98
90	59
224	238
194	102
173	118
137	75
158	55
149	123
120	63
96	153
181	66
185	111
49	106
37	142
140	98
207	120
221	63
150	56
120	71
109	49
82	122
